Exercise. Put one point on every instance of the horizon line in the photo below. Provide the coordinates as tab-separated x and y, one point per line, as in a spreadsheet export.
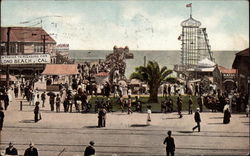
148	50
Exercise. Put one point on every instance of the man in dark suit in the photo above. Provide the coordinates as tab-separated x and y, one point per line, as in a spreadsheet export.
31	151
90	150
170	146
1	117
197	119
179	105
11	150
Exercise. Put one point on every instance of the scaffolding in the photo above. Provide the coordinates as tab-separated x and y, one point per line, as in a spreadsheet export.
195	43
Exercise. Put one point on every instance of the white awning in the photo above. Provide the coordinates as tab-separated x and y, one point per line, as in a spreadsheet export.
206	63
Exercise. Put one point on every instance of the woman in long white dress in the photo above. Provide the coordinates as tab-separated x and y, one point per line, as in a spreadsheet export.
149	115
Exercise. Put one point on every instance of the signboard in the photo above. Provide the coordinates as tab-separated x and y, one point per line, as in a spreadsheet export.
25	59
229	75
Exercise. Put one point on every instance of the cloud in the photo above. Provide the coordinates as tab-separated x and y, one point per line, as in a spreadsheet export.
221	41
135	26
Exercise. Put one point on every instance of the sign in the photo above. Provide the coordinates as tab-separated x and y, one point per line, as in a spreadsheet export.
25	59
229	75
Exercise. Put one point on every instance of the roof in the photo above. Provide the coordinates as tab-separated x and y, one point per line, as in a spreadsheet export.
101	74
25	34
227	71
206	63
191	23
205	69
60	69
11	78
244	52
135	81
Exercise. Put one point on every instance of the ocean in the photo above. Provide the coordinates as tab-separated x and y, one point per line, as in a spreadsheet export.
164	57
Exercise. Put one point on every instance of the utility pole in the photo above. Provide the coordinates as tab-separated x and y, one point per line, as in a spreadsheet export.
44	38
145	60
8	53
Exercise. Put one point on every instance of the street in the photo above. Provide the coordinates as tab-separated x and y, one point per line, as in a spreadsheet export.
70	133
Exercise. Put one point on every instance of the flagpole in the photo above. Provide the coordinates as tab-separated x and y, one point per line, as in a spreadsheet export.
191	11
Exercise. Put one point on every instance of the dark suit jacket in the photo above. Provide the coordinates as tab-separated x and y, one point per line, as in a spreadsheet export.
31	152
12	151
197	117
90	150
169	141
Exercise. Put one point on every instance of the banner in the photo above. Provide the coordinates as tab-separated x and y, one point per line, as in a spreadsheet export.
25	59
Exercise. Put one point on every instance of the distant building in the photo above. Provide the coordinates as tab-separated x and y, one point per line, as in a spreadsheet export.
62	49
26	41
242	65
62	54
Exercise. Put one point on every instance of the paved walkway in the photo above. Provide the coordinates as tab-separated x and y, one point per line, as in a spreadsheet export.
125	134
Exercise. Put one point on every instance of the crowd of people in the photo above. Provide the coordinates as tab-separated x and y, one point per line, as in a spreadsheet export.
114	64
74	97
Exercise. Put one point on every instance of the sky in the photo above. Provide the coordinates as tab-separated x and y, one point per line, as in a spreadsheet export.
138	24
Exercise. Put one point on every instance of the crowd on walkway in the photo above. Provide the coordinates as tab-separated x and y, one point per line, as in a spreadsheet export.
78	97
75	97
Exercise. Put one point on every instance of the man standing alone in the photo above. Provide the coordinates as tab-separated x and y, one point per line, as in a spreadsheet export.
90	150
179	105
197	119
170	146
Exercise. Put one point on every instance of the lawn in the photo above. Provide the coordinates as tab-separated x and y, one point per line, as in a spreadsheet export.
156	107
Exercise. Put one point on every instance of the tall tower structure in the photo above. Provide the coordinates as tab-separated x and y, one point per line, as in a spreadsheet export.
194	41
189	39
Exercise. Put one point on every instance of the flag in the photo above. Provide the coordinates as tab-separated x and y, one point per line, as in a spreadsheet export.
189	5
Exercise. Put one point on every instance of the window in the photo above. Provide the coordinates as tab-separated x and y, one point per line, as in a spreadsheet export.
38	48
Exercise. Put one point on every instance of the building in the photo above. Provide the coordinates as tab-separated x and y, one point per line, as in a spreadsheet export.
26	41
224	78
242	65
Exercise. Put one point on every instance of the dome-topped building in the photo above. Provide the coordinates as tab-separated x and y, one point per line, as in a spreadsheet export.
191	23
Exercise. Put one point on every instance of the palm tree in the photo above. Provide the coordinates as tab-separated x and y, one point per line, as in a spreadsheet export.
153	76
